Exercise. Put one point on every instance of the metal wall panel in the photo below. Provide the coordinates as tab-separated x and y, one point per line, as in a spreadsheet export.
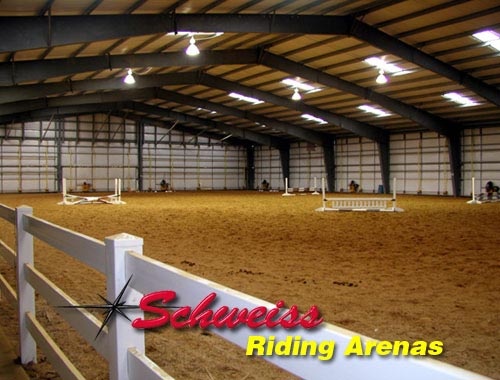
268	167
481	158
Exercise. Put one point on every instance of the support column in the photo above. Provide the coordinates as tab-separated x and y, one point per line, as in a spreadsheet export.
329	158
285	163
58	138
139	131
384	157
250	168
455	153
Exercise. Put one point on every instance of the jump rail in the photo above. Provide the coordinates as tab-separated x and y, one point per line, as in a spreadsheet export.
359	204
113	199
119	257
292	191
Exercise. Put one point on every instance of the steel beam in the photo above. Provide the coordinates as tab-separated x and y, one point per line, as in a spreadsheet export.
250	169
392	45
455	154
285	163
423	118
384	159
105	97
31	91
21	33
311	136
357	127
12	73
329	159
243	134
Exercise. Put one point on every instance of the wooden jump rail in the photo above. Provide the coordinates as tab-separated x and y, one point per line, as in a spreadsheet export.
359	204
119	258
291	191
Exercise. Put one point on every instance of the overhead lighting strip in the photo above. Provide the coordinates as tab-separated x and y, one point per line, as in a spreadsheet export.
373	110
460	99
245	98
313	118
489	37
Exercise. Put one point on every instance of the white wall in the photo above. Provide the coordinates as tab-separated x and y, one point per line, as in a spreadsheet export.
98	148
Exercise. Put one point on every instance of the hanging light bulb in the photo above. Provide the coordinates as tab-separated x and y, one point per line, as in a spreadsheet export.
381	79
296	94
129	78
192	49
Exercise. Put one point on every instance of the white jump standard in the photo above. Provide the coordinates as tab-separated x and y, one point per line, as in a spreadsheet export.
360	204
290	191
483	197
113	199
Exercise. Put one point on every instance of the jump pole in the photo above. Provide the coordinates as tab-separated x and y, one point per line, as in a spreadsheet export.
359	204
474	201
286	193
315	188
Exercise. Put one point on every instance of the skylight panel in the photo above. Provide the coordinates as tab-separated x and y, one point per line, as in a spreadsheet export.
489	37
314	118
460	99
373	110
245	98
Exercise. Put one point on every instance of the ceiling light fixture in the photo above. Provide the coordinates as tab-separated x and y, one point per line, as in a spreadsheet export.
373	110
129	78
192	50
245	98
381	78
464	101
385	68
300	85
296	95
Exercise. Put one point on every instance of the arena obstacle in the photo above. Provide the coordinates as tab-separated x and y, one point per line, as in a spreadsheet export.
482	197
360	204
291	191
113	199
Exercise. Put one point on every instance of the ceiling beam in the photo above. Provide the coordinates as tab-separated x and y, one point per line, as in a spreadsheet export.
244	134
152	93
9	94
357	127
20	33
180	127
12	72
419	116
15	93
302	133
32	32
387	43
105	97
115	109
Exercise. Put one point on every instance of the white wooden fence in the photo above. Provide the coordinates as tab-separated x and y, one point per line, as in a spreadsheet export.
119	257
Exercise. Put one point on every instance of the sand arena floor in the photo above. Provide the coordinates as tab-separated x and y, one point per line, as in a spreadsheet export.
430	273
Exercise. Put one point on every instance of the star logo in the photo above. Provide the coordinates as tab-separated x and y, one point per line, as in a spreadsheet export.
111	308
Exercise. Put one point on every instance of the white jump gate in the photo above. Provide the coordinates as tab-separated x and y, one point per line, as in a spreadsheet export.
112	199
359	204
120	257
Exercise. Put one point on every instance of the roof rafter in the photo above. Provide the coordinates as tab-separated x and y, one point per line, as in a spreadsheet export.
81	29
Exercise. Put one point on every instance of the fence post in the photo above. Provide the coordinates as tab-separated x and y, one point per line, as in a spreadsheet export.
121	334
25	293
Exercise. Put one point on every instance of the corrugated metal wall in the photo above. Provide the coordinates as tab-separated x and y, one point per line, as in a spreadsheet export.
98	148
